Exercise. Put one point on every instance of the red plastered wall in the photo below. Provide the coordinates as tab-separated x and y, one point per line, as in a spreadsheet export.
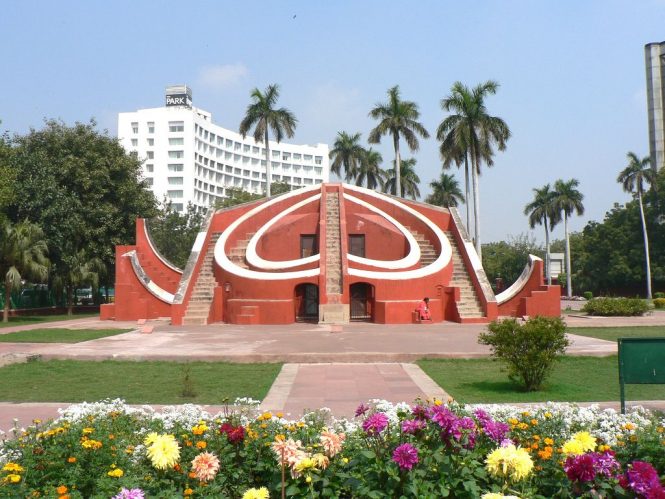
535	298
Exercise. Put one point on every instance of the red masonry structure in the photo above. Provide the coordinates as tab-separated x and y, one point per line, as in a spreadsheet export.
333	253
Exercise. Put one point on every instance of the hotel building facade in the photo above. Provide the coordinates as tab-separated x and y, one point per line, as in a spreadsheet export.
654	54
187	158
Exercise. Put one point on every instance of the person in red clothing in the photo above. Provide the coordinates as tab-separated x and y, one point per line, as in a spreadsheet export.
423	310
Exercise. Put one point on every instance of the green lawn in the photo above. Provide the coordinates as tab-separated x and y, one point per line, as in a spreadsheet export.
574	379
612	333
136	382
57	335
25	320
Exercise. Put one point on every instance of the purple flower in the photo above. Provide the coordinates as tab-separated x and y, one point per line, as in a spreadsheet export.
375	423
496	430
606	464
130	494
406	455
361	410
643	479
413	425
482	416
580	468
419	412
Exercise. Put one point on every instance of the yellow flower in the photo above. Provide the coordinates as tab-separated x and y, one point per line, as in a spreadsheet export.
201	444
509	462
266	415
88	431
660	429
321	461
304	464
13	467
572	448
308	479
164	451
629	426
116	473
523	426
548	415
261	493
12	478
199	429
91	444
534	422
548	441
585	439
279	415
187	492
150	438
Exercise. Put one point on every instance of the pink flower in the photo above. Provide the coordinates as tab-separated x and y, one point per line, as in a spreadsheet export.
406	455
288	452
375	423
331	442
205	466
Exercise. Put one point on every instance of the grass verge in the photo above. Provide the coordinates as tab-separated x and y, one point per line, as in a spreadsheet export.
57	335
136	382
574	379
26	320
613	333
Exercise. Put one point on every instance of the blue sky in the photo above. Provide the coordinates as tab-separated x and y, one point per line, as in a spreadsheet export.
571	73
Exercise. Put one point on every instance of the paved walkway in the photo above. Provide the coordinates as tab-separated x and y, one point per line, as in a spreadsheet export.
353	363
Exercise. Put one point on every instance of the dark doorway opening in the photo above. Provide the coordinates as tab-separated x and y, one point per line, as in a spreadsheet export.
308	245
307	303
357	245
362	302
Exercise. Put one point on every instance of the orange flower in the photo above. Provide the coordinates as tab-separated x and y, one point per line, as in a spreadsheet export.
187	492
201	444
71	459
62	490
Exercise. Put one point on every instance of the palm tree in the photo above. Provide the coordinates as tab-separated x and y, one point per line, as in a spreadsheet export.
474	132
78	269
408	183
262	115
445	191
633	178
567	200
346	153
370	172
454	149
22	255
543	211
397	118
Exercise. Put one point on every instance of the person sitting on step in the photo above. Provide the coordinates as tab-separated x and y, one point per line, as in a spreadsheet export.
423	310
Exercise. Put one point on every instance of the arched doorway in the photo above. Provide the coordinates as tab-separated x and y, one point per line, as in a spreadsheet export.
362	301
307	303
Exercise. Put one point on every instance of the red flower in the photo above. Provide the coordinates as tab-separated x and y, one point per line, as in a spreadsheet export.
235	434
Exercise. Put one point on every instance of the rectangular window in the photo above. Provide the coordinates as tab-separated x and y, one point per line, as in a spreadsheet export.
149	168
177	206
150	154
175	194
151	142
135	142
296	155
176	167
175	180
308	245
176	141
308	157
151	127
135	127
149	181
176	126
176	154
357	245
318	160
255	150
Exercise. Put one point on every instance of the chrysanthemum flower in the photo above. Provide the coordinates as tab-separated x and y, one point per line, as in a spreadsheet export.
375	423
205	466
332	442
509	462
406	456
260	493
579	443
164	451
287	451
130	494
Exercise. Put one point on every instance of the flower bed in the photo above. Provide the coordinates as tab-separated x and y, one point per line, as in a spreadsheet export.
430	449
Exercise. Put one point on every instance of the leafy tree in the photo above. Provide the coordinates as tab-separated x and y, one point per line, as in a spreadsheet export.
174	233
78	269
7	176
633	177
542	211
445	191
474	132
409	181
282	187
506	259
397	118
567	200
82	189
22	256
370	171
347	154
263	116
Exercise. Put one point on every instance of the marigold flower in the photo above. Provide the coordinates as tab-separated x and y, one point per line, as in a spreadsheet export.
201	444
71	459
62	489
205	466
509	462
260	493
17	468
164	451
187	492
331	442
91	444
199	429
12	478
548	441
116	473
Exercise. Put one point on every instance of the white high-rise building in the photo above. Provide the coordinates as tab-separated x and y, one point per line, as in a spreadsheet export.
655	65
187	158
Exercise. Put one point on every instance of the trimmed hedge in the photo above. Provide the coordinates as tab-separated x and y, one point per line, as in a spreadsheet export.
611	307
659	303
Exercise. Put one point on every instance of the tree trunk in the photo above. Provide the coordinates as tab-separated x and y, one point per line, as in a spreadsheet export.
398	167
70	301
268	169
547	254
646	245
466	192
476	208
569	279
8	296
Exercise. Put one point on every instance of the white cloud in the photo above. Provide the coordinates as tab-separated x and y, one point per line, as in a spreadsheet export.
223	75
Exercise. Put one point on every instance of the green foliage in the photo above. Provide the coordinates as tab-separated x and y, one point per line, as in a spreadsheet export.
174	233
507	259
659	303
7	176
659	294
445	191
409	180
529	349
58	335
609	307
587	295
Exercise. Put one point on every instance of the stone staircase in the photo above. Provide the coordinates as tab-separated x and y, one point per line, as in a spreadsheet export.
200	300
469	305
163	279
333	247
427	251
238	252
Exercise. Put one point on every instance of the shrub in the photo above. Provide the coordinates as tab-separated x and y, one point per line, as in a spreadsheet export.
529	349
587	295
659	303
610	307
659	294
